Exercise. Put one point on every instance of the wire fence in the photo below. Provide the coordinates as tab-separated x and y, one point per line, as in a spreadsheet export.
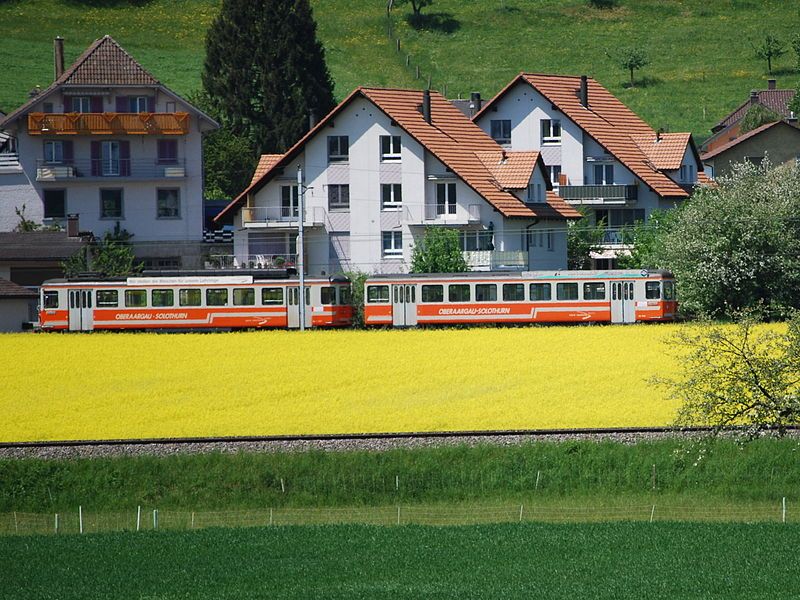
81	521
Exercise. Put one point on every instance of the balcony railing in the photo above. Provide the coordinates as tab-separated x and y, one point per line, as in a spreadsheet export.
280	216
599	194
491	260
251	261
108	168
108	123
9	162
441	213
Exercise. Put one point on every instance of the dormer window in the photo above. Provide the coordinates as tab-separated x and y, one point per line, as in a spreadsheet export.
390	148
551	131
501	131
338	148
687	174
535	193
81	104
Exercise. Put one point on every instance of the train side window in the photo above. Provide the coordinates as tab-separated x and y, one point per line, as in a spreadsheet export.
566	291
271	295
432	293
485	292
51	300
107	298
594	291
190	297
458	292
163	298
669	290
216	297
513	292
72	299
652	290
135	298
328	295
89	299
377	294
345	296
541	292
244	297
308	296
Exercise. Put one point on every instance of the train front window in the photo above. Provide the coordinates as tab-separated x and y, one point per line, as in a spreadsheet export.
594	291
432	293
190	297
377	294
135	298
271	295
163	298
567	291
244	297
513	292
652	290
107	298
216	297
486	292
50	300
669	290
328	295
458	292
540	292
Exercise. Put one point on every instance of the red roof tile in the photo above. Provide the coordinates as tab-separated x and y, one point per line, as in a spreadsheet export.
265	163
512	170
666	151
776	100
106	63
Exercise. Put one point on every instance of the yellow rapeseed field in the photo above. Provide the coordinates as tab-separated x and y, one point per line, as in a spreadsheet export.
117	385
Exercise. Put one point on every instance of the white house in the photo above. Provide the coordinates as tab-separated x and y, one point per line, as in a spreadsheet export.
380	168
598	153
108	142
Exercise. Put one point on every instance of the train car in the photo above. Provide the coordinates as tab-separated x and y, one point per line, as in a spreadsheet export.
615	296
193	302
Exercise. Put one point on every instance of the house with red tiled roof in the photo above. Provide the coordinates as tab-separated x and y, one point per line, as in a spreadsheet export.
599	154
110	143
380	168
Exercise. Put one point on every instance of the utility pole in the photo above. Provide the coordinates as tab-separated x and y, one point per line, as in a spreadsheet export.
301	246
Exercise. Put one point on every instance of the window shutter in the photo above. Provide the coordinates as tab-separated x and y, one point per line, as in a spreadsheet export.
95	150
67	148
125	158
123	105
151	104
96	104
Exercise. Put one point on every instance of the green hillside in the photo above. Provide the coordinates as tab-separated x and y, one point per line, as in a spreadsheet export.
702	59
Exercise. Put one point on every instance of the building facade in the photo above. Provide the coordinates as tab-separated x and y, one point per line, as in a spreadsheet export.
382	167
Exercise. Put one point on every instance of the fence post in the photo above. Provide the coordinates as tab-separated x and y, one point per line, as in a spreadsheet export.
155	518
56	523
191	526
80	519
783	511
397	482
652	513
283	487
398	45
270	516
520	512
16	526
139	518
538	474
417	76
398	514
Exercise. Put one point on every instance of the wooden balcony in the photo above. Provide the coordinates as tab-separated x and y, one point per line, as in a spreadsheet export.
108	123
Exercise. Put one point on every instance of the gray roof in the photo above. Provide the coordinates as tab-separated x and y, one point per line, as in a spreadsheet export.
38	246
9	289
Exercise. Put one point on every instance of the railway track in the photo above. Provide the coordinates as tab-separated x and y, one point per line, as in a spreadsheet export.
332	442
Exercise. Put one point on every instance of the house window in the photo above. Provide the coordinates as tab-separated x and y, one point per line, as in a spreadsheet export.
392	243
604	174
687	174
338	148
445	198
338	198
168	203
551	131
501	130
171	107
390	148
111	204
54	152
755	160
391	196
475	239
535	192
139	104
290	198
55	204
110	158
81	104
167	151
47	107
554	172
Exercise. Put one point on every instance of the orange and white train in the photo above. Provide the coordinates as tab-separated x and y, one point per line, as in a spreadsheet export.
193	302
614	296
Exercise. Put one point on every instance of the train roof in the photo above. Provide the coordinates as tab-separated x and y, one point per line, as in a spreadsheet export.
600	274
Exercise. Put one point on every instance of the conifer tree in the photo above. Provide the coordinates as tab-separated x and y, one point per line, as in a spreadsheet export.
265	71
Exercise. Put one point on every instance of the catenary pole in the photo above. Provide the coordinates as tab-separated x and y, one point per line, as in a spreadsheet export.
301	247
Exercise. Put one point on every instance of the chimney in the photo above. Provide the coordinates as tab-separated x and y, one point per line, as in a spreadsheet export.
659	133
772	84
584	94
58	56
72	226
312	119
474	103
426	105
754	97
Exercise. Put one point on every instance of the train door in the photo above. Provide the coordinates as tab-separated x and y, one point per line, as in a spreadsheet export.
293	307
623	306
404	304
81	317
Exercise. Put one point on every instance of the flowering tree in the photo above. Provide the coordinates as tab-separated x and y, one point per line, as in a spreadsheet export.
438	252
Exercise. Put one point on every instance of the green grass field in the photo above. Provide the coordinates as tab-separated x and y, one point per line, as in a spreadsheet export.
702	62
622	560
